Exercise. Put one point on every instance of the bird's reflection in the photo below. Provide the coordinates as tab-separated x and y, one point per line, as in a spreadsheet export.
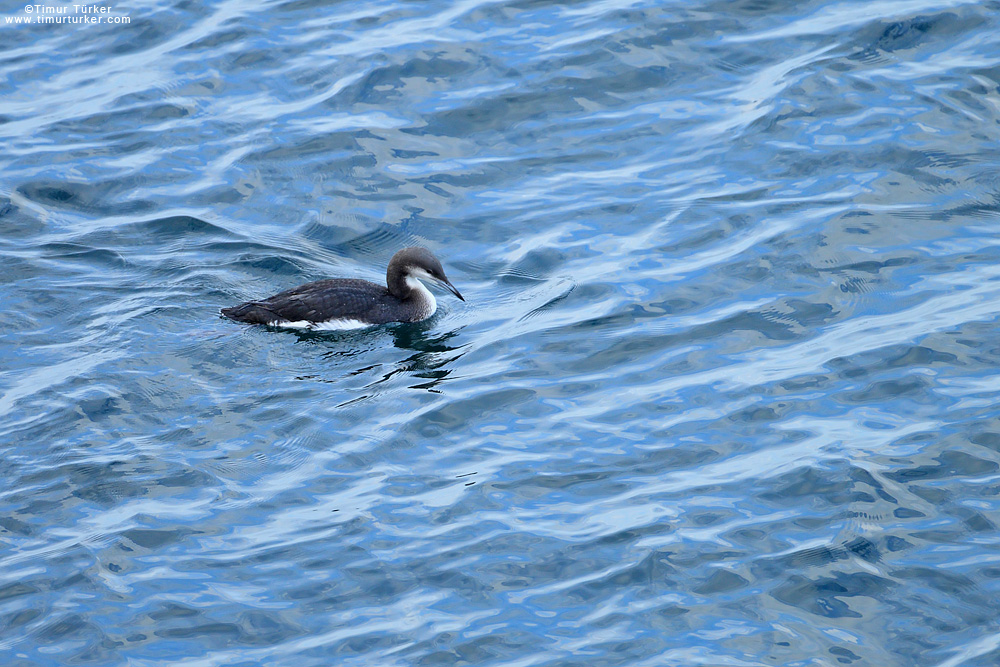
431	352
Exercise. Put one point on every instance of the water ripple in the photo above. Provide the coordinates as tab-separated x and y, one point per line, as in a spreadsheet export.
722	392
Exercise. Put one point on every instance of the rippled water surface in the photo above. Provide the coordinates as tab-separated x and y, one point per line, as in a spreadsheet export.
724	390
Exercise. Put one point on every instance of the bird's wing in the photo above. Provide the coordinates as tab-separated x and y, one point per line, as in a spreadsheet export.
325	300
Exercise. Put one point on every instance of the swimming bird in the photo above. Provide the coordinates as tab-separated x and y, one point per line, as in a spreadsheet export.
346	303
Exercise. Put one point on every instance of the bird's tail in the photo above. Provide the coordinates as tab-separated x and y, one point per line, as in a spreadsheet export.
251	313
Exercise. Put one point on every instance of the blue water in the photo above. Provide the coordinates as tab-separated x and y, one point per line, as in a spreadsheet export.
724	391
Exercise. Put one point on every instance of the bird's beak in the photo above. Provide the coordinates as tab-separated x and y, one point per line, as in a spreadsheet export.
451	288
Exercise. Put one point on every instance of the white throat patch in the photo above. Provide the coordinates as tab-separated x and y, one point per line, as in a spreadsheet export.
424	294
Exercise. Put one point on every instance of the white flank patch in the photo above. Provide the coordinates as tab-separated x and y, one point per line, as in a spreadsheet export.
329	325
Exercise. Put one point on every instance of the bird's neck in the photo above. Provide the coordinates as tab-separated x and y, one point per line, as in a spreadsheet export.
419	293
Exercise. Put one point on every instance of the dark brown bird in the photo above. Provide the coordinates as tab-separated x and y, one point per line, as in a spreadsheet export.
345	303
